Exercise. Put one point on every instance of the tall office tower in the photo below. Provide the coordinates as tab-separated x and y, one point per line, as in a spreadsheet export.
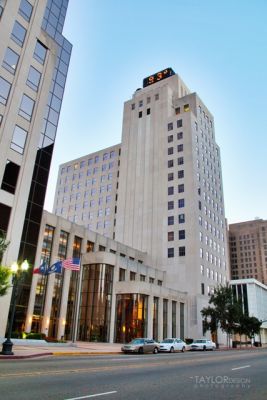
86	191
34	59
248	250
170	195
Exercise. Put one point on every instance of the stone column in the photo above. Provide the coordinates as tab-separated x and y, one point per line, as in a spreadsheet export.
150	316
66	275
28	322
169	319
160	320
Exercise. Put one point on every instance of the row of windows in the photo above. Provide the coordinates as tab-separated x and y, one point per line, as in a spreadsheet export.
93	181
180	175
211	258
181	235
179	124
211	274
181	252
179	137
181	204
180	189
141	102
180	161
180	147
181	219
90	161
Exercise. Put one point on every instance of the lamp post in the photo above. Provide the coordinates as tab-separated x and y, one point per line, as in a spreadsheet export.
18	273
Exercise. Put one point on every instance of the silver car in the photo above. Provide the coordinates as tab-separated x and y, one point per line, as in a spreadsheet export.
203	344
141	346
172	344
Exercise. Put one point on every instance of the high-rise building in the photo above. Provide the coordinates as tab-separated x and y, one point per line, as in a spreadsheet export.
248	250
169	201
170	196
86	191
34	60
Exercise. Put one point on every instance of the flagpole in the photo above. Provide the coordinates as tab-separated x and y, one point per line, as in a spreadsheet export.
78	296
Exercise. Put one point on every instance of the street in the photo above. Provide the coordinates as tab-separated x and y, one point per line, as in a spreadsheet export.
191	375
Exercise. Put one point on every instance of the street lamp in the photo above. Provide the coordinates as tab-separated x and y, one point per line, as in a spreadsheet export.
18	273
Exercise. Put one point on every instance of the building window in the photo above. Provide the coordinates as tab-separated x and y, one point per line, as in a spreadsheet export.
26	107
132	276
141	103
170	126
90	246
170	205
10	60
133	106
170	252
156	96
179	123
181	188
180	203
171	220
170	138
10	177
33	79
181	174
25	10
40	52
159	282
181	251
180	160
177	110
170	190
180	148
170	163
18	34
142	278
170	236
181	218
202	288
170	150
181	234
170	176
5	212
148	111
179	135
186	108
1	117
151	280
19	139
121	274
140	114
4	90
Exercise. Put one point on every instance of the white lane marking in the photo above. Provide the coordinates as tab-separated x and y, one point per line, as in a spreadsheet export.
244	366
92	395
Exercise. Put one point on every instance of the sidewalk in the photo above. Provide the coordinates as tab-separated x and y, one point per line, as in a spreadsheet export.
24	350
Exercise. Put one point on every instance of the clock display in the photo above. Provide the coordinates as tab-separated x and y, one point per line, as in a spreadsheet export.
166	73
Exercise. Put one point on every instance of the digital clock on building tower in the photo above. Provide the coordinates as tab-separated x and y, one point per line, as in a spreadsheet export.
165	73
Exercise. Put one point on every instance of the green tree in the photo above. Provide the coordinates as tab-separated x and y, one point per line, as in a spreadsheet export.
250	326
4	271
224	312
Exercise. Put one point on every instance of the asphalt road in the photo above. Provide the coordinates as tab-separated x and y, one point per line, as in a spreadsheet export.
199	375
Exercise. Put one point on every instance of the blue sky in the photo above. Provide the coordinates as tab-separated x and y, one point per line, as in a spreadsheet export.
218	48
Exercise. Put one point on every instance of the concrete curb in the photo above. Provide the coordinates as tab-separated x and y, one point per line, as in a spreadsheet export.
84	353
26	356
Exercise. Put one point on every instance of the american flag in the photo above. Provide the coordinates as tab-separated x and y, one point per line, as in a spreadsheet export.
71	263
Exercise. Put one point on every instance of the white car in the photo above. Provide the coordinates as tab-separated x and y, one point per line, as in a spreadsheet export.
172	344
203	344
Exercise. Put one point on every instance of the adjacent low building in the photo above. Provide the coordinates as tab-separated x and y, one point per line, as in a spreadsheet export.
116	295
253	295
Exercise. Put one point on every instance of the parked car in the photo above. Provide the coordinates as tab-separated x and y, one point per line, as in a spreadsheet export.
141	345
172	344
202	344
